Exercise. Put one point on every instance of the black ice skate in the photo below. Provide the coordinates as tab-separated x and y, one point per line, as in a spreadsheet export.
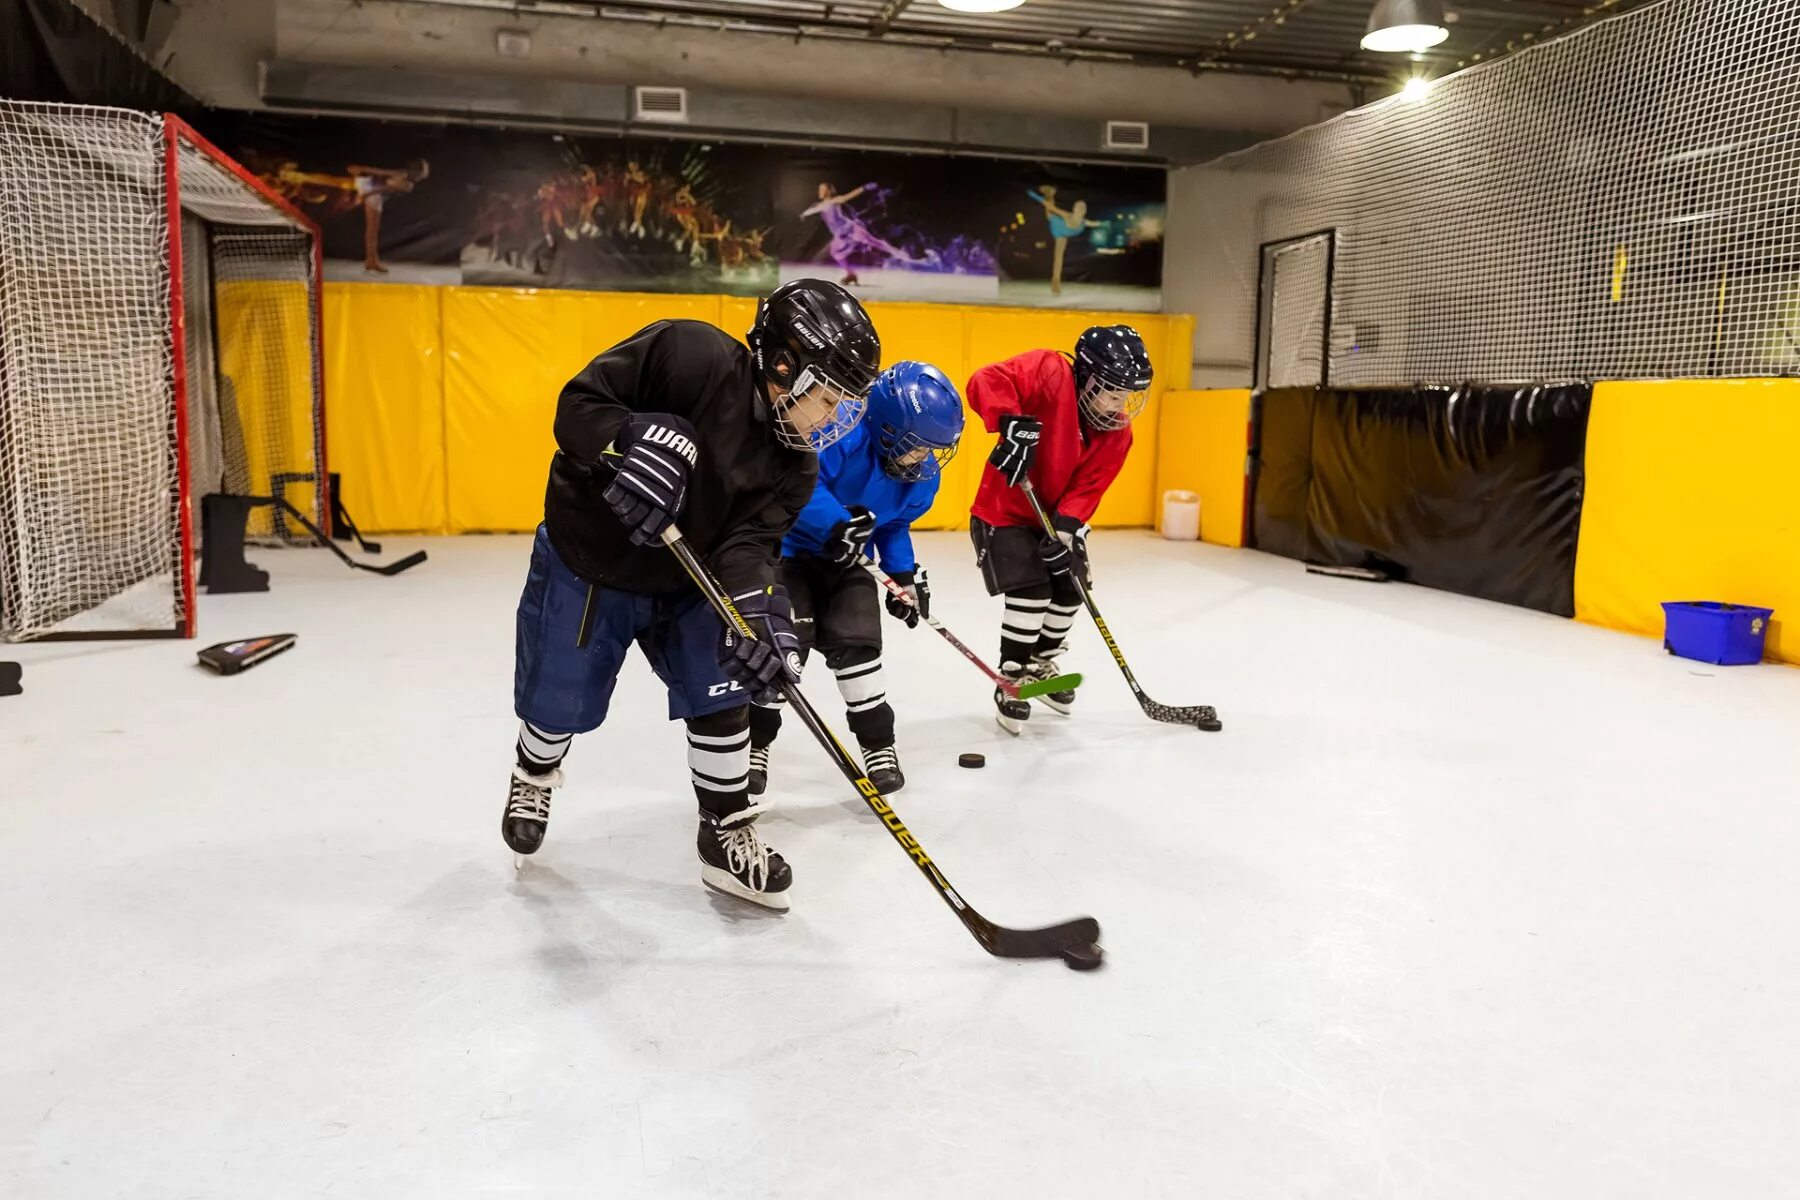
882	765
527	815
735	861
1012	712
1042	667
759	770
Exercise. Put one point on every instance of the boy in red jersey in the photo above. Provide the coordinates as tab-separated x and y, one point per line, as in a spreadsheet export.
1064	423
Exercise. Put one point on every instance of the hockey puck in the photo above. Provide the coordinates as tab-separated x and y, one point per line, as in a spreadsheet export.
971	760
1082	958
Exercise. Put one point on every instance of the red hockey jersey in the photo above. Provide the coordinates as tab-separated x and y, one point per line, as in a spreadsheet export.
1074	466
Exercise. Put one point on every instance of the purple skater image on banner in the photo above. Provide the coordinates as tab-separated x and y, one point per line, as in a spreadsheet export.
870	249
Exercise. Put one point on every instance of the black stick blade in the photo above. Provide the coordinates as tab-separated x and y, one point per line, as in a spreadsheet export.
394	568
1048	942
1201	716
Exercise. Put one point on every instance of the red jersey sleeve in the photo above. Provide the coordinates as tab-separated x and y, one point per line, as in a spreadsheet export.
1094	474
1005	388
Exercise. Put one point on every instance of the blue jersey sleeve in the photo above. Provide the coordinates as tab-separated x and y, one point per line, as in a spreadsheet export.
893	539
822	511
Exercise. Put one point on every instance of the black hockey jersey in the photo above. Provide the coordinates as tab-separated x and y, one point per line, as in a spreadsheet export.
746	486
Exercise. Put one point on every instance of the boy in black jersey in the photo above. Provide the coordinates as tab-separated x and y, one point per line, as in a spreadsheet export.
681	422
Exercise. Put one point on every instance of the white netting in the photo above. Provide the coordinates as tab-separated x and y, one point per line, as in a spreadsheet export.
89	489
267	376
87	447
1621	203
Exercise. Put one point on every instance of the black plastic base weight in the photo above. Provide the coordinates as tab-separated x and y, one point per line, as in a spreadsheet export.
222	565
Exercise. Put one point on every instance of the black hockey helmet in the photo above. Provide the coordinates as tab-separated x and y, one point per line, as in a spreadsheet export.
813	341
1112	375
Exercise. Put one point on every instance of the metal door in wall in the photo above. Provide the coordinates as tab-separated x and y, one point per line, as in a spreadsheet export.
1293	320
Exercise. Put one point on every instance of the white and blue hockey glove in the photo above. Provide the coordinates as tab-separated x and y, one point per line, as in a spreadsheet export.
656	452
760	664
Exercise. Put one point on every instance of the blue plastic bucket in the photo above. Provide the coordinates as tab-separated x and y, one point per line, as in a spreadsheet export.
1730	635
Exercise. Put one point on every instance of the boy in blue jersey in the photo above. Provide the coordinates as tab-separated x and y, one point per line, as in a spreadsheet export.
872	486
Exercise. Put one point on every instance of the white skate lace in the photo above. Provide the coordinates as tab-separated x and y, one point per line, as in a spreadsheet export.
529	799
885	759
745	855
759	759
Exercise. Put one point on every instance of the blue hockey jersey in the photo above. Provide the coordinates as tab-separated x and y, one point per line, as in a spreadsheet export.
850	473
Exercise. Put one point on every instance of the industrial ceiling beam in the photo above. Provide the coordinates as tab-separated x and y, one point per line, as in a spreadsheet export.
884	19
713	14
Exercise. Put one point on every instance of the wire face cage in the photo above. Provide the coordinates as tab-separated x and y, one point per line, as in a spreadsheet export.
159	343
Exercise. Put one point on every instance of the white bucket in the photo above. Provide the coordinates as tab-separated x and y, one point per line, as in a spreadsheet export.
1181	516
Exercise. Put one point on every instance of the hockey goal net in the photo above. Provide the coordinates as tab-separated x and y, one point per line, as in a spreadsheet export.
159	342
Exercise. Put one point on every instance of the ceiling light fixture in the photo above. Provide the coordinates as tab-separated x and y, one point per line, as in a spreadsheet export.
1405	26
980	6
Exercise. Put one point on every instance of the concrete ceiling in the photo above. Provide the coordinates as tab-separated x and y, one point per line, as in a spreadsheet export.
1289	38
850	69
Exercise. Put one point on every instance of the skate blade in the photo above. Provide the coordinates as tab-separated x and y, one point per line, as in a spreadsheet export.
726	884
518	863
1011	726
1061	710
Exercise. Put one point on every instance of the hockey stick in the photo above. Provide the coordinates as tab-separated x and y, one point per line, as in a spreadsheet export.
1201	716
340	520
1037	687
1075	942
394	568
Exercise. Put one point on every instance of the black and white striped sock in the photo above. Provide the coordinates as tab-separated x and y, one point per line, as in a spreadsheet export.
864	688
540	751
1021	626
861	684
1057	620
719	765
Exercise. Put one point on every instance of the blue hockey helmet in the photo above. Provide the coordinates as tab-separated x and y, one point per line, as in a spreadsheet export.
1112	375
916	416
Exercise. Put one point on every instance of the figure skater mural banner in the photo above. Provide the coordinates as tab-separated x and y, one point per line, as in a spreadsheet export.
461	204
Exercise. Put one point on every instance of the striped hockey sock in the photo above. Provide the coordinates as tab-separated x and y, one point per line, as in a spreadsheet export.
540	751
719	760
1022	626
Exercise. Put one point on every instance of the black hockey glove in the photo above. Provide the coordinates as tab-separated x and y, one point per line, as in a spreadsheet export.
656	453
1017	448
1073	533
760	664
844	544
1055	553
918	590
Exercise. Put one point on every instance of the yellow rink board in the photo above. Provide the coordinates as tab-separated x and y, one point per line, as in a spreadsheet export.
441	400
1692	494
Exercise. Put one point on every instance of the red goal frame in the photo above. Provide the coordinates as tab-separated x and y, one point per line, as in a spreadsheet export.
177	132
